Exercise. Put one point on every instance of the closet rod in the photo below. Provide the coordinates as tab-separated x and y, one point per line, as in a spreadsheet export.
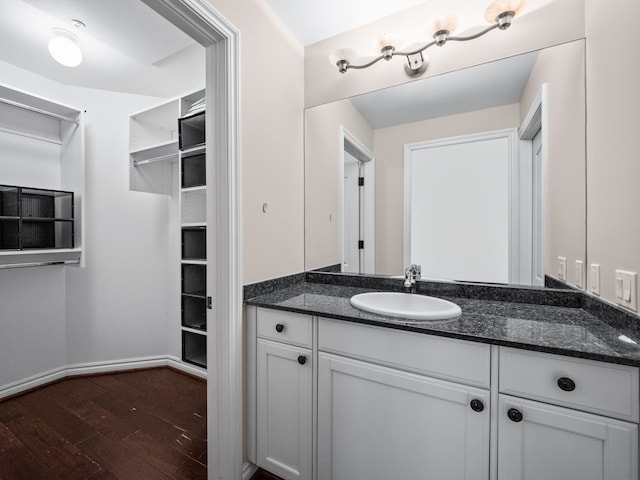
30	135
154	159
38	110
35	264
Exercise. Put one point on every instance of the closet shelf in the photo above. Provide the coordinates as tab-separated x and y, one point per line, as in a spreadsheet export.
195	294
194	330
194	150
24	258
193	262
160	152
199	188
25	101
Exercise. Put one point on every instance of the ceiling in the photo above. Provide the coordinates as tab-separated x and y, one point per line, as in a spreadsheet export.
312	21
126	45
129	48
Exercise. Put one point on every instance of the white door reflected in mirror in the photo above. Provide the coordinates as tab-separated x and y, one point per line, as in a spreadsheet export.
457	206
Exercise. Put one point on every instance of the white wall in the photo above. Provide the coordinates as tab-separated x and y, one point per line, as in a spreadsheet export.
271	130
323	170
613	143
117	307
562	69
32	322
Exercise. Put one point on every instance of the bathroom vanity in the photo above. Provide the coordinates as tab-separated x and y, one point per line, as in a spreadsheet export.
510	390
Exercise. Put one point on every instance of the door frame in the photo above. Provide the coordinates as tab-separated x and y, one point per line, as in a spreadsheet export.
366	160
199	19
535	121
515	176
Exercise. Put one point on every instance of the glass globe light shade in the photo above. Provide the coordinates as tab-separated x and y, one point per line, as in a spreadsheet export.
342	54
500	6
388	40
449	23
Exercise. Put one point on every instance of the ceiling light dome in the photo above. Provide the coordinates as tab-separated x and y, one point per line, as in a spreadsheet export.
64	48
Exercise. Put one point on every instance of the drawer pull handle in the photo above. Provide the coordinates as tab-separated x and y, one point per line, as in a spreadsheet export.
476	405
566	384
302	359
514	415
279	327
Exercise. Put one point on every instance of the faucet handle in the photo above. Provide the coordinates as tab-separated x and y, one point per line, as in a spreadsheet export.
417	271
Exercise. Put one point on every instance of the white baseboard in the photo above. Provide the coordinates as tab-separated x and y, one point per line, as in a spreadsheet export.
248	469
98	367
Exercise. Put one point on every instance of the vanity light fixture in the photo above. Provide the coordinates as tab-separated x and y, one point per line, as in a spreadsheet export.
500	14
64	47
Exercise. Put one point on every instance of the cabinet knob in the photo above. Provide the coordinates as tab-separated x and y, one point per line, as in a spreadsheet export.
566	384
476	405
514	415
279	327
302	359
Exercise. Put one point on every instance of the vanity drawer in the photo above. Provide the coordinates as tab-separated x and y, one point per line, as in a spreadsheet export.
598	387
439	357
286	327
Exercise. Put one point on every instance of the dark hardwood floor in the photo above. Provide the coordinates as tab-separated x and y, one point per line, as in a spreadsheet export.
138	425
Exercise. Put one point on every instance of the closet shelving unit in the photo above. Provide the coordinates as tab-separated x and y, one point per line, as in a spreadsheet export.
42	171
153	148
193	201
168	140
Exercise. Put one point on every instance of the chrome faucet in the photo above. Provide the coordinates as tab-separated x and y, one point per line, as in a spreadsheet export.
411	274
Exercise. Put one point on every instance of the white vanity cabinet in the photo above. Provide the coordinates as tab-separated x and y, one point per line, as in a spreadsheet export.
540	437
284	394
379	419
537	440
369	402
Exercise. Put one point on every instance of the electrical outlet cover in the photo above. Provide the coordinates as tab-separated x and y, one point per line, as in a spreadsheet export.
579	274
627	289
562	268
594	283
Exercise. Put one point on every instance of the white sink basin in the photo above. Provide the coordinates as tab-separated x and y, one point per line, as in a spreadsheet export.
406	305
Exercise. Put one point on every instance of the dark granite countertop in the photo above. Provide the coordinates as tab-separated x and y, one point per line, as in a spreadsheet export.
564	330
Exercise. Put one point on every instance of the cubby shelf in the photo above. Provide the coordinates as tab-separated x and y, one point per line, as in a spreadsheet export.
194	347
36	219
167	150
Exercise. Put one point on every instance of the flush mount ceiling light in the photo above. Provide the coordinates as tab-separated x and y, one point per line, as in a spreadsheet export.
64	48
499	14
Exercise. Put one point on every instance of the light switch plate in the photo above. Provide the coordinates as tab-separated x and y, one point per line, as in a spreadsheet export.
627	289
562	268
579	274
594	280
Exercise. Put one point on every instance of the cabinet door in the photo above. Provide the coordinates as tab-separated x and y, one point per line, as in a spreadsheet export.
380	423
284	409
539	441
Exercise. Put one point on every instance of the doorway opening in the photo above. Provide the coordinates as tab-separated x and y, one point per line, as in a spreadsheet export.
198	19
357	238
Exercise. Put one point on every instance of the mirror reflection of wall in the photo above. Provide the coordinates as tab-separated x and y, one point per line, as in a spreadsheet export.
479	99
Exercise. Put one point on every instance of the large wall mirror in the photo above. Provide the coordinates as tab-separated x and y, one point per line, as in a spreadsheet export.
477	175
